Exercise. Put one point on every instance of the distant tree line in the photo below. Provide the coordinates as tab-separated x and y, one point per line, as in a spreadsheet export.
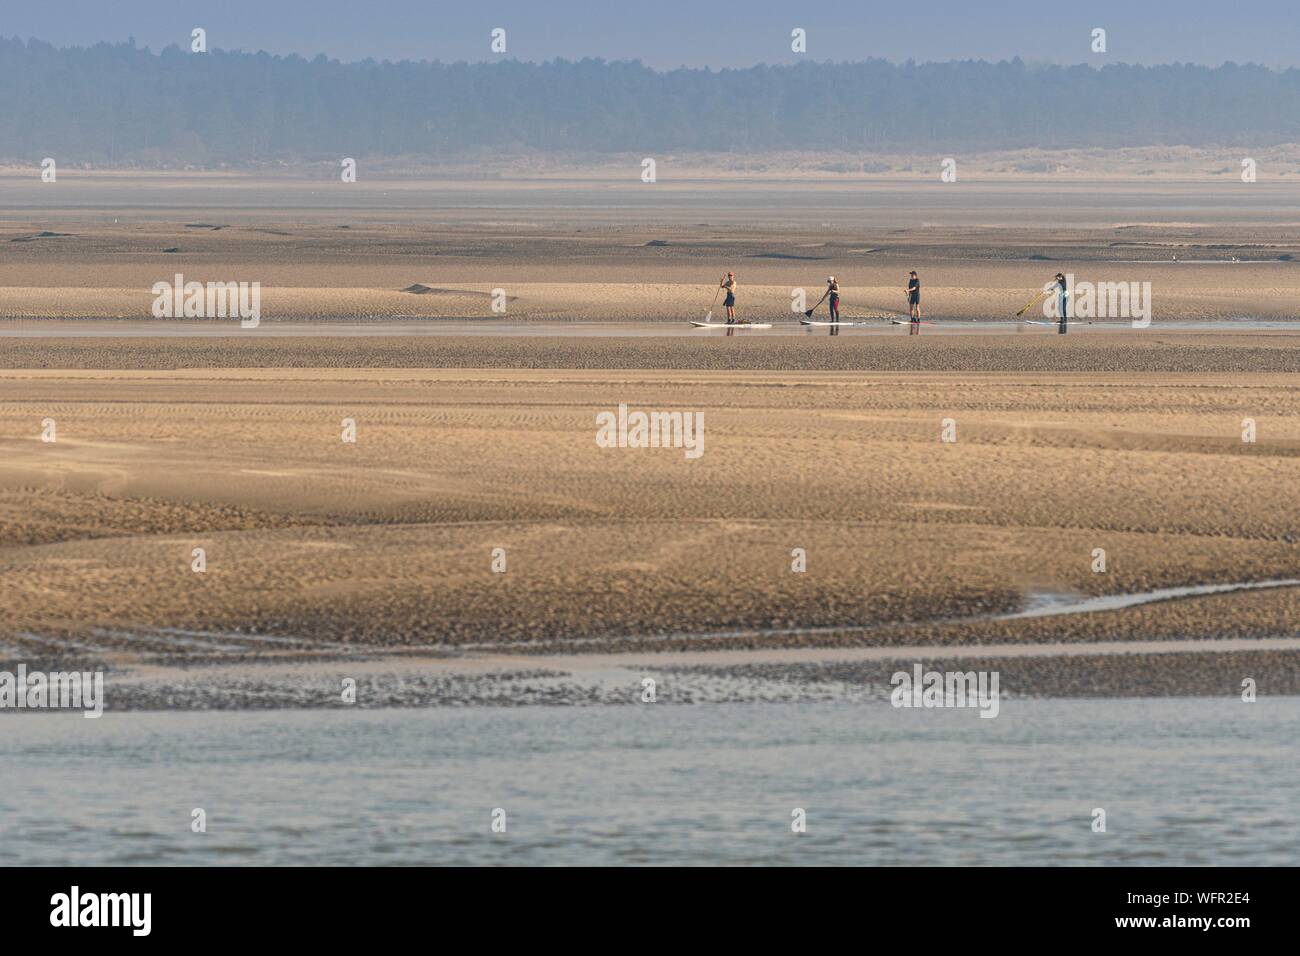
118	103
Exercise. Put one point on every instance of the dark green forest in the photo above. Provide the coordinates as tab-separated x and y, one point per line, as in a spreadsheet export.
121	104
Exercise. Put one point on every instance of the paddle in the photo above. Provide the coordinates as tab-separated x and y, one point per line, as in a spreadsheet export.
708	316
808	314
1033	302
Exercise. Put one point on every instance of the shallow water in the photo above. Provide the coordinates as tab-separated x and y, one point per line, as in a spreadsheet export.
669	327
1183	781
1049	604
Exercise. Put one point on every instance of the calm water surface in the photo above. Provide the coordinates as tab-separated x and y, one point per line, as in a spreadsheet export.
1183	781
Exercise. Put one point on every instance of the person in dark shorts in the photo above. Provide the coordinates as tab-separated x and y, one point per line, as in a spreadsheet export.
1062	304
914	301
729	283
833	291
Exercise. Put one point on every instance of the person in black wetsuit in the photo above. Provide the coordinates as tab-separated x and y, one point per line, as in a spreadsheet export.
914	301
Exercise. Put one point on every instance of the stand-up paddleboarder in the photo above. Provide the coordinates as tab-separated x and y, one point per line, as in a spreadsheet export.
729	283
1062	304
914	302
833	292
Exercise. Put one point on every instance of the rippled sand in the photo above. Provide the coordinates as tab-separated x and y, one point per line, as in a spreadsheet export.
320	548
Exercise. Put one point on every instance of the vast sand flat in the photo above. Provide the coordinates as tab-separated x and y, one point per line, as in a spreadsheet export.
93	245
388	541
476	431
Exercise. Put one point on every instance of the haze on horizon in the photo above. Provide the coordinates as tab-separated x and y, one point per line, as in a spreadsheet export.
666	34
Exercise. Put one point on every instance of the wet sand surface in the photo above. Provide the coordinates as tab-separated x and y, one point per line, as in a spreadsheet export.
349	553
647	348
568	250
391	678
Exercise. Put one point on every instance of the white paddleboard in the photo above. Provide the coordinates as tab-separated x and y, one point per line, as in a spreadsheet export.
907	322
831	324
734	325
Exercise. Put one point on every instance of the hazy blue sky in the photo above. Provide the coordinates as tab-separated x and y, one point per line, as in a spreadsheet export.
668	33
